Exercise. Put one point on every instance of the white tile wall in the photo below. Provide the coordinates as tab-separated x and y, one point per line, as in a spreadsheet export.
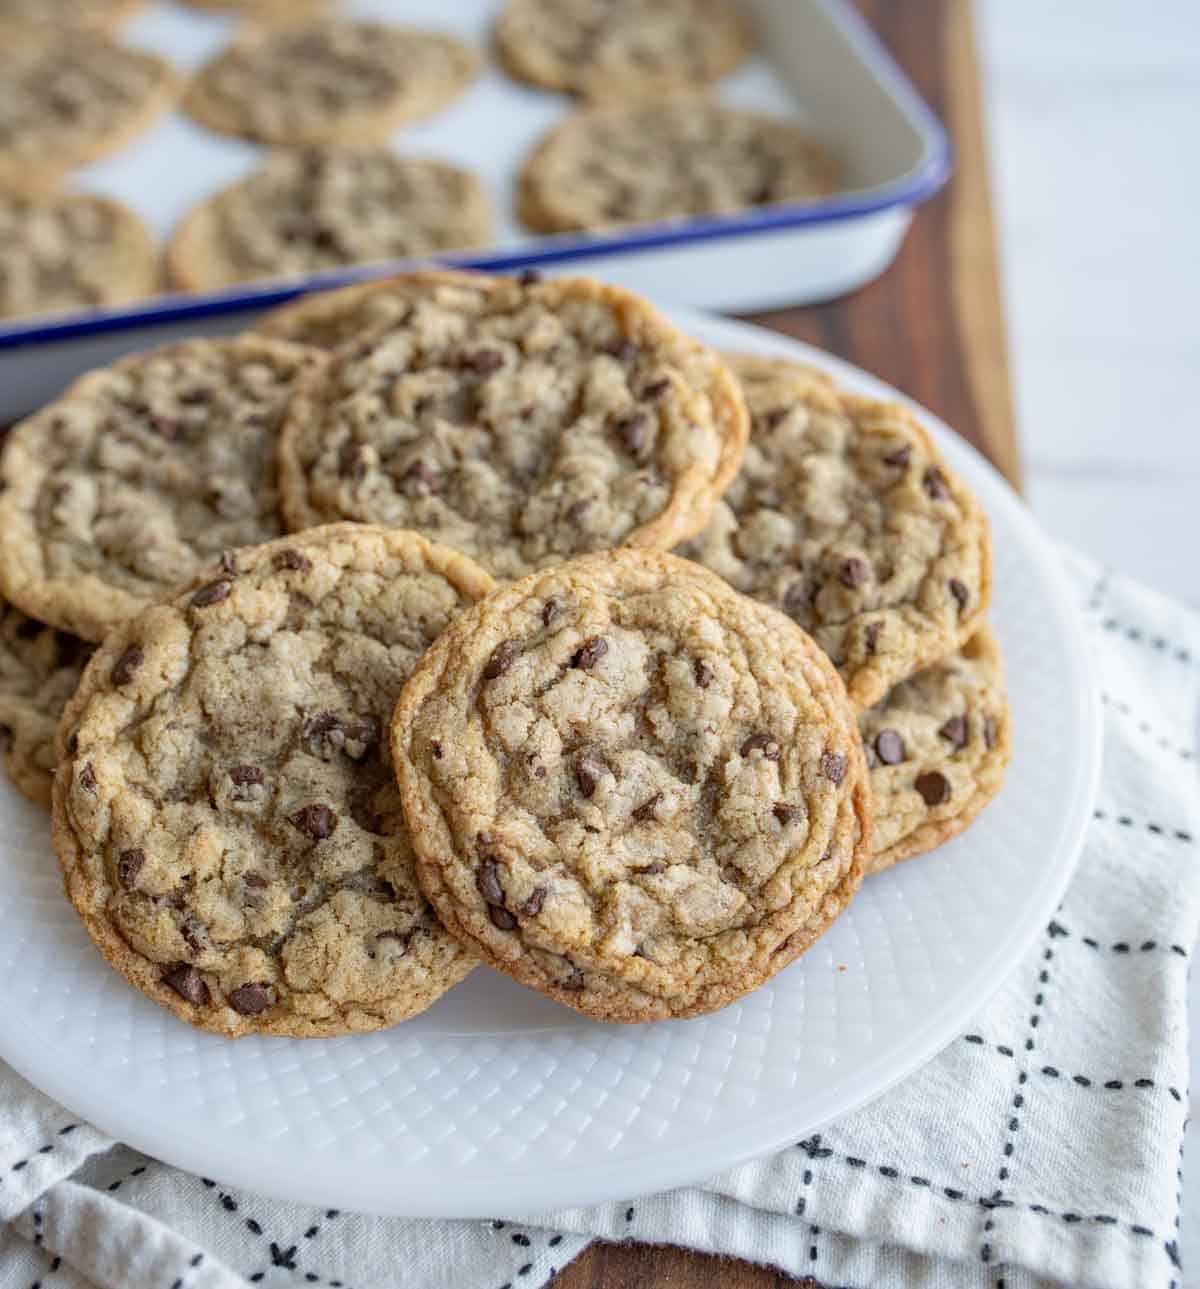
1094	115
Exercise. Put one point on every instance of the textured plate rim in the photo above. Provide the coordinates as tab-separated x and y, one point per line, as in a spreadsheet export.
531	1187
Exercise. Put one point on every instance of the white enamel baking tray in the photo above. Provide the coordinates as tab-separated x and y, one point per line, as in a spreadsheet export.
819	63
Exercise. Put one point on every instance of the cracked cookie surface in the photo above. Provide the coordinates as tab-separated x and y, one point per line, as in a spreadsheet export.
39	671
309	211
631	788
69	96
348	84
519	423
937	747
845	517
663	159
225	811
60	252
141	473
604	49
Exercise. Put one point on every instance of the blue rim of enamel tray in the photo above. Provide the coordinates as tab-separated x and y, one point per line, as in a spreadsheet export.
918	185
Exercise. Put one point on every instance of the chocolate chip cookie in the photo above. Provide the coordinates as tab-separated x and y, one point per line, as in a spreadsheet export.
615	48
317	209
39	671
67	251
937	746
661	159
347	84
225	811
69	96
521	423
846	517
141	473
630	787
107	14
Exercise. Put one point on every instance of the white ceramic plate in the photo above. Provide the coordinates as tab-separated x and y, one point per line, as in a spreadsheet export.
498	1097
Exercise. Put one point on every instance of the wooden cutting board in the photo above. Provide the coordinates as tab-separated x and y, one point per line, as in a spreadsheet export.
932	326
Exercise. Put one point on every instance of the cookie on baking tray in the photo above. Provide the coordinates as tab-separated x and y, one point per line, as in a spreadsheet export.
67	251
312	210
69	96
604	50
331	81
664	159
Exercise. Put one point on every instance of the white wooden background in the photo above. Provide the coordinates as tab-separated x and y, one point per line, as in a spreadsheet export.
1094	117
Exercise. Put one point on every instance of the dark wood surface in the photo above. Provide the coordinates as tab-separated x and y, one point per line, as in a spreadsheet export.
933	326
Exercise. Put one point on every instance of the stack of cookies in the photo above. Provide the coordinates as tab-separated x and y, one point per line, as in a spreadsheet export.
642	139
454	620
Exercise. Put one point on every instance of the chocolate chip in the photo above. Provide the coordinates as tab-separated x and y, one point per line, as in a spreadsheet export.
648	809
577	509
73	742
533	905
589	653
795	599
483	361
246	775
961	594
889	747
528	277
550	610
503	657
989	732
194	932
255	881
128	665
901	456
166	427
704	674
250	1000
589	770
188	983
934	788
871	637
294	560
365	731
624	351
954	731
487	882
352	463
763	743
435	750
317	821
421	479
788	814
935	484
633	429
87	779
316	732
833	766
212	594
502	919
773	419
854	572
129	865
656	388
7	737
574	982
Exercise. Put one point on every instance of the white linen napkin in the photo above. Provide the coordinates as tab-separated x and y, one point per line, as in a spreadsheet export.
1042	1147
